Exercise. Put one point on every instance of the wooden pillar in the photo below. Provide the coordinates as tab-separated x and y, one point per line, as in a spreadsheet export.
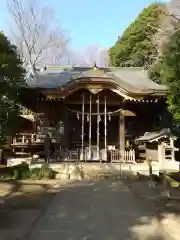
90	112
172	151
47	147
82	130
66	132
98	120
1	156
161	155
32	138
105	129
122	135
23	139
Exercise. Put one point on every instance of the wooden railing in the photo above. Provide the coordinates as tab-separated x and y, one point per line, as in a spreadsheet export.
27	138
31	138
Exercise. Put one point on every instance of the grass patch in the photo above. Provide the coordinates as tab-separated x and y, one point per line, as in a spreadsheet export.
172	178
175	176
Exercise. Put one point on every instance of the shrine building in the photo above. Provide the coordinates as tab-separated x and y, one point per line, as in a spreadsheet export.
89	112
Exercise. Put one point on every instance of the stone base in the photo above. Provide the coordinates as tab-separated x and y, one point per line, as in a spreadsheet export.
17	161
78	171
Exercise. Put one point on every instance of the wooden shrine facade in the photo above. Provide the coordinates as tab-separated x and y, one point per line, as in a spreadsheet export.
93	110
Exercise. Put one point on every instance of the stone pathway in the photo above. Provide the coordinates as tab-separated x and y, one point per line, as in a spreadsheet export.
104	210
21	204
167	210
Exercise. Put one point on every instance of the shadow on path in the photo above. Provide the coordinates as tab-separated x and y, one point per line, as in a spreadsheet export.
80	210
97	210
23	204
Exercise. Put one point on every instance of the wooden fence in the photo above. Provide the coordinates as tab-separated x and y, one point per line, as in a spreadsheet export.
115	156
126	156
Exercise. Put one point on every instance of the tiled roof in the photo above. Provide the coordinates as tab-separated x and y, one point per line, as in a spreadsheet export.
131	79
153	136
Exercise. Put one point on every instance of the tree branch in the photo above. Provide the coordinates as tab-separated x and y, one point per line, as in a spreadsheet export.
36	31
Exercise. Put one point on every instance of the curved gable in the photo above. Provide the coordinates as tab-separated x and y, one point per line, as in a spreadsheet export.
128	80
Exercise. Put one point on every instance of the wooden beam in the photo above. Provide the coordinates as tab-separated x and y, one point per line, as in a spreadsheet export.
128	113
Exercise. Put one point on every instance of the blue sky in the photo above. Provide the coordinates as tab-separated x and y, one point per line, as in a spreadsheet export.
91	21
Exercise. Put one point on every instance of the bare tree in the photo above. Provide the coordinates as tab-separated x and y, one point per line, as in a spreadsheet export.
40	40
173	9
104	57
91	54
94	53
168	25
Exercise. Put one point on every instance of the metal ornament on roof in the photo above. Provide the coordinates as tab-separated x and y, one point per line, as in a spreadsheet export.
95	66
95	90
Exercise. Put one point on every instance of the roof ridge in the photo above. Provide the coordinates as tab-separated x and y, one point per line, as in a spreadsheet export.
140	68
88	67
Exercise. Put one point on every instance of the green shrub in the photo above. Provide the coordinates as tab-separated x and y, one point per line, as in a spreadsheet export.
42	173
35	174
175	176
15	172
172	179
22	171
6	173
47	172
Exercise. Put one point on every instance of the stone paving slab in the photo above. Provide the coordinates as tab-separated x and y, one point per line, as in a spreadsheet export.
99	211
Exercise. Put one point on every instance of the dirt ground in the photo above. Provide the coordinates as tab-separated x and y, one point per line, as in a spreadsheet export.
21	205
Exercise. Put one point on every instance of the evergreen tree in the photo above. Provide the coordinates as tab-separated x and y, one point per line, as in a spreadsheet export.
136	47
11	76
167	71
